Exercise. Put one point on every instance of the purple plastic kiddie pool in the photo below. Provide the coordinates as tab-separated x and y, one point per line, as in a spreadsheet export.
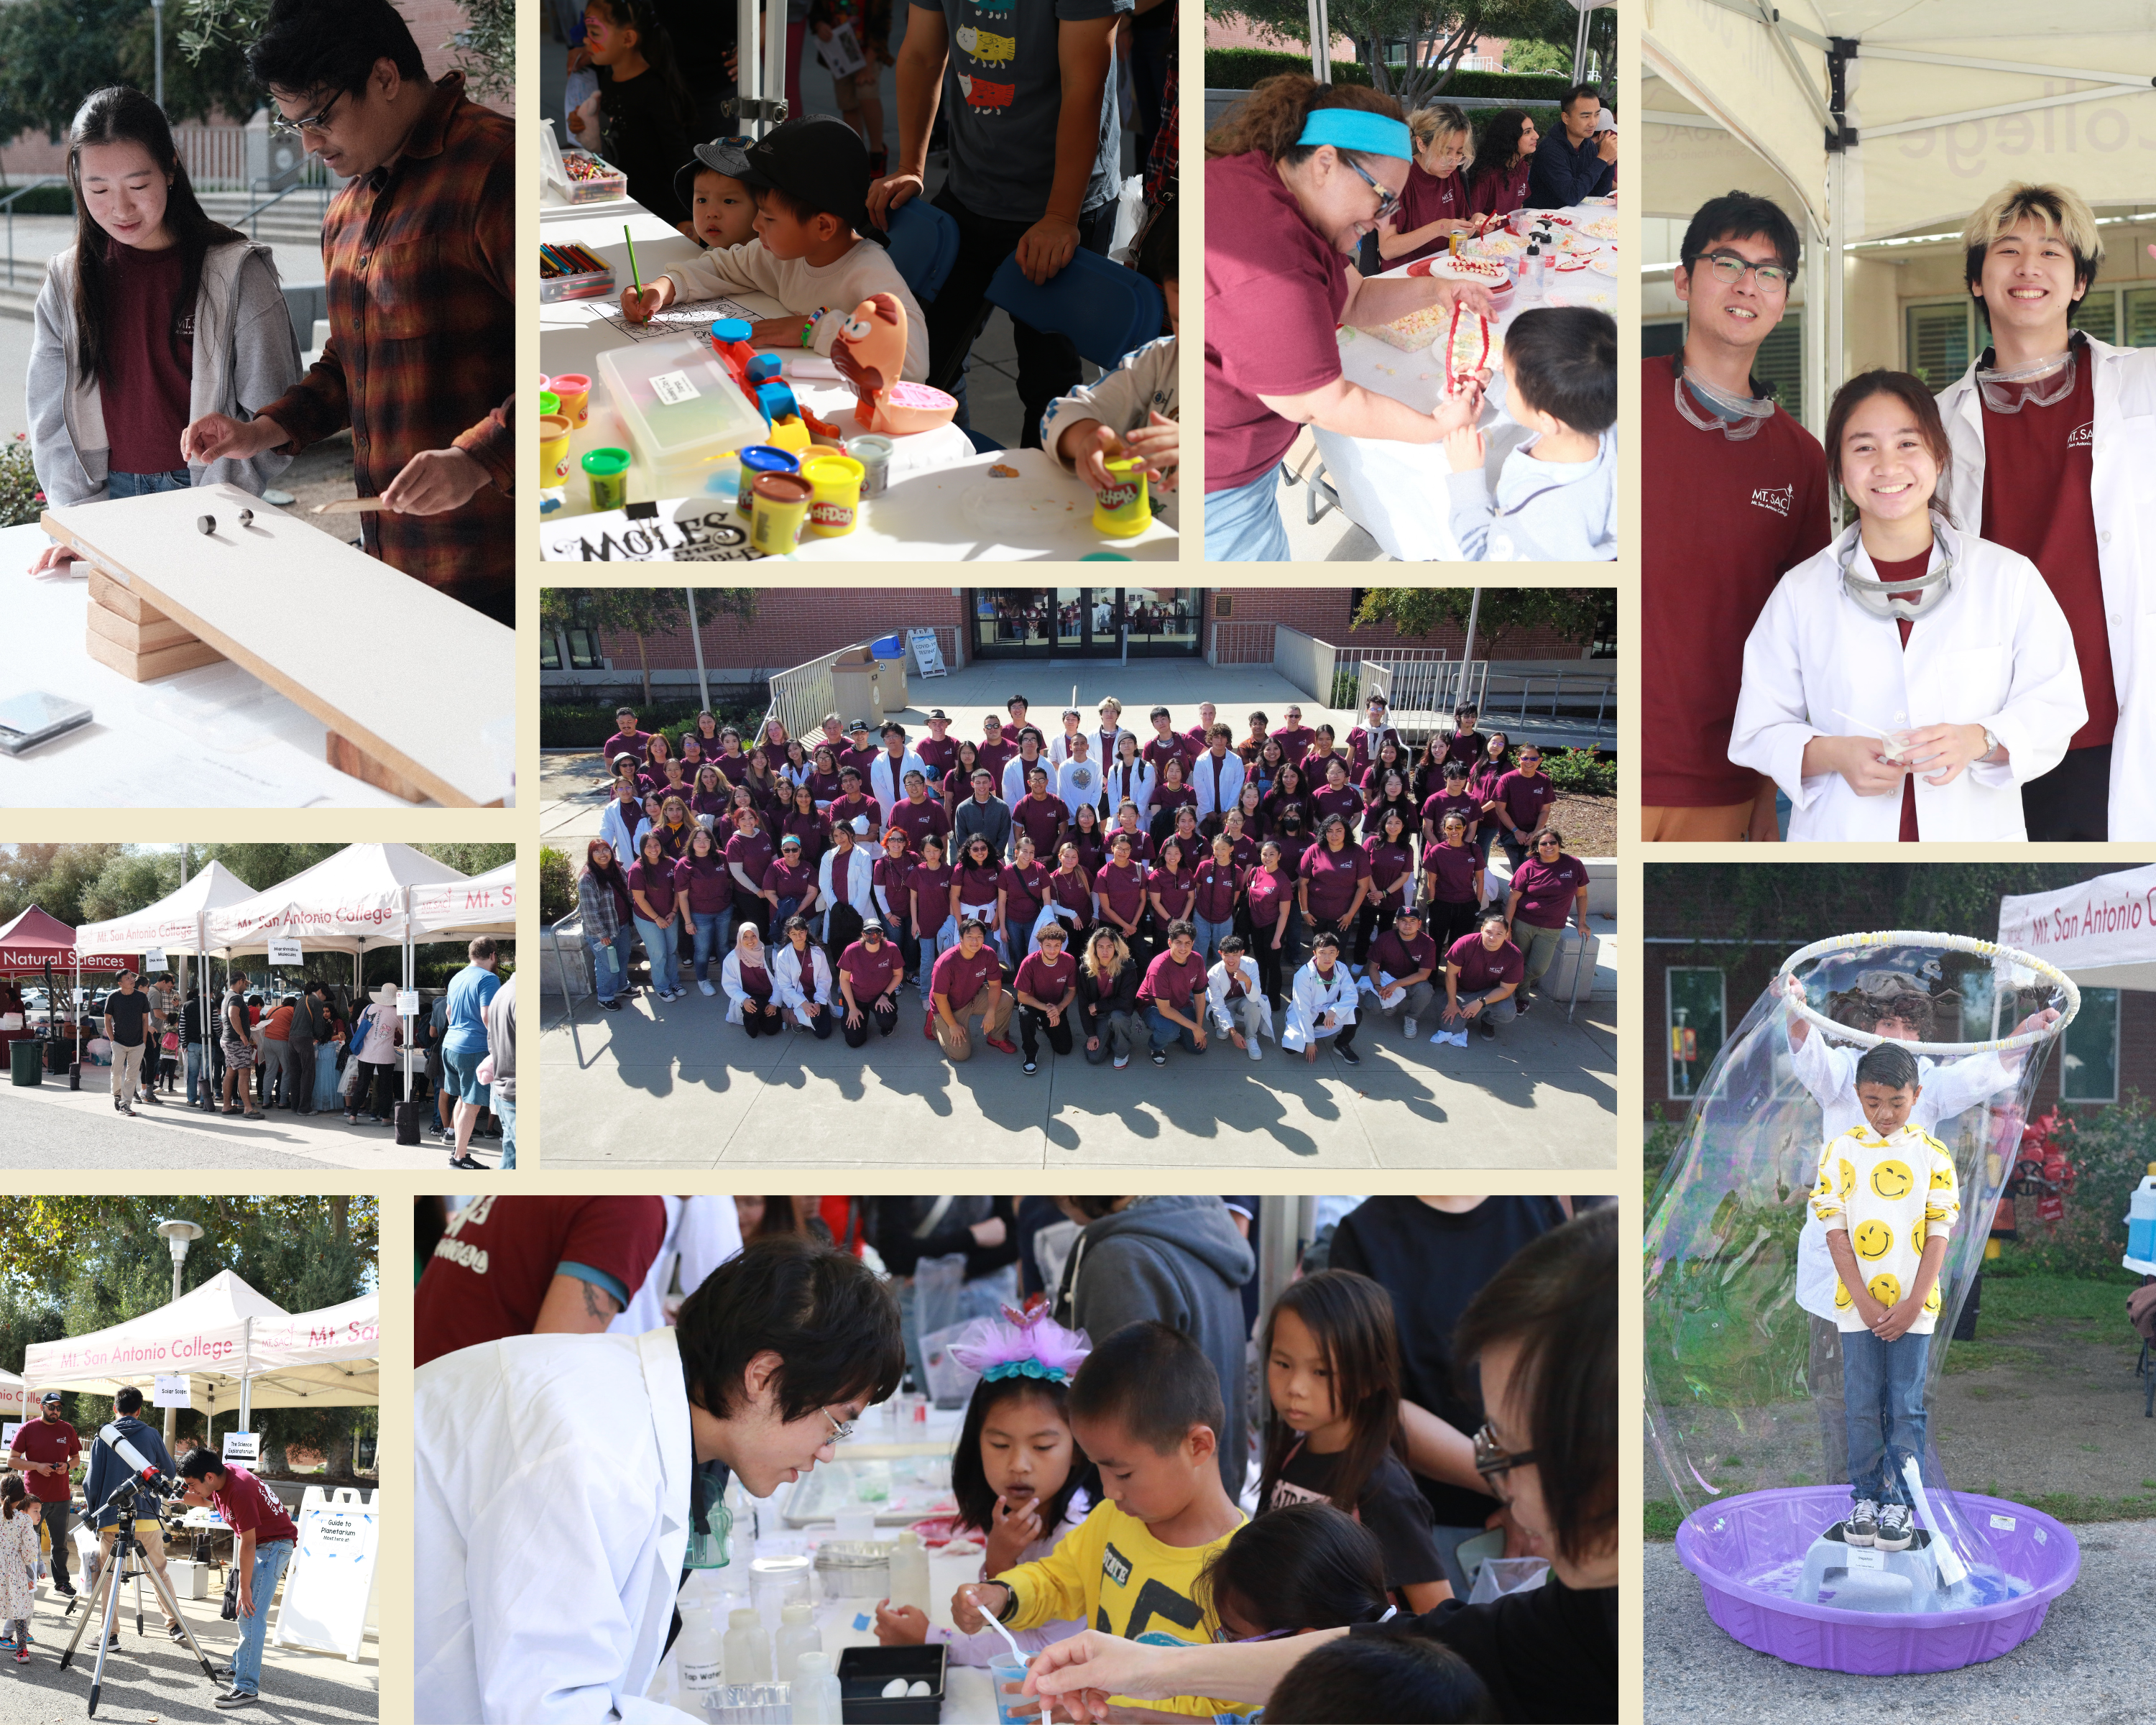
1747	1550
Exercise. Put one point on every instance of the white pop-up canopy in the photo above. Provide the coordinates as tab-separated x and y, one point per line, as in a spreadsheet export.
2102	932
353	900
482	904
1867	119
235	1345
176	921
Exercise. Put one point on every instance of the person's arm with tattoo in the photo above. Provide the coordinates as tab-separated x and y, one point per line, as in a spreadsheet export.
575	1307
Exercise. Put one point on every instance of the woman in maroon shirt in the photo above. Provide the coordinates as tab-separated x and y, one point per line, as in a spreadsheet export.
1286	797
1250	805
802	821
1119	891
1242	845
890	883
707	897
1172	883
928	905
1025	890
1391	796
1392	879
1091	839
1172	791
795	766
1495	762
853	803
976	889
1434	201
1339	797
1452	883
674	826
657	914
749	970
824	775
1070	889
1549	889
958	781
657	751
1334	881
1127	821
764	786
712	797
1504	157
1391	756
1268	916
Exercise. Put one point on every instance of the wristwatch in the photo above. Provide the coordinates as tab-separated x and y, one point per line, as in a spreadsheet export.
1990	745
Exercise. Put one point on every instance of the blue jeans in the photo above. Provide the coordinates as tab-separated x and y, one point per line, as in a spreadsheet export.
1161	1029
270	1561
659	947
711	937
1243	523
934	946
142	485
1882	1386
1210	935
194	1070
504	1111
624	946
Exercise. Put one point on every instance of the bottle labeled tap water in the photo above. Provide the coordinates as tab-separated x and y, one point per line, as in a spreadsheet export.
696	1657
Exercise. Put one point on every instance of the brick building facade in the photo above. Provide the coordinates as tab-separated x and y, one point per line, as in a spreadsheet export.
1698	977
794	625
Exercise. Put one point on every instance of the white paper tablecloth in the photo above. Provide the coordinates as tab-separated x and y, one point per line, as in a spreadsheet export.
943	503
1397	492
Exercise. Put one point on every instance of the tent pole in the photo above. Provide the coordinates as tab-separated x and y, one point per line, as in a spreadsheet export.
1837	237
246	1377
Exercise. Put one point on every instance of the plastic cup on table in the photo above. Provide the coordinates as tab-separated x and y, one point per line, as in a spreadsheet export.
606	473
835	508
554	430
575	390
781	505
1010	1671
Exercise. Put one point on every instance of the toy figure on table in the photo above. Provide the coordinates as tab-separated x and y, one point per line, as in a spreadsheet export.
870	347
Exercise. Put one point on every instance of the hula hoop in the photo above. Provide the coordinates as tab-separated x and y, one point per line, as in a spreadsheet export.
1952	943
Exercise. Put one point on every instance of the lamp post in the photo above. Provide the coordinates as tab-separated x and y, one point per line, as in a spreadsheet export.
179	1235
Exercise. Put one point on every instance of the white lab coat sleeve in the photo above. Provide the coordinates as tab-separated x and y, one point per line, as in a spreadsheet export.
785	978
1955	1085
1774	721
730	984
547	1654
1311	999
710	1234
824	876
1216	994
1824	1071
2045	702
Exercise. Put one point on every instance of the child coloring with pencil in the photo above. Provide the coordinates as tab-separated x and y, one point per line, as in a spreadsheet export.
1131	410
815	251
1021	1481
1332	1379
642	126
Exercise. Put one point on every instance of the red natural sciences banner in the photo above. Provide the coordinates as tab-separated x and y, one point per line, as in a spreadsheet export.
20	958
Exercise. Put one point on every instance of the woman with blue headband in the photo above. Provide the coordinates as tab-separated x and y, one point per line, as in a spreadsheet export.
1297	175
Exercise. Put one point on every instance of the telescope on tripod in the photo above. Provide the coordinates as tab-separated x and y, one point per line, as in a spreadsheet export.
127	1550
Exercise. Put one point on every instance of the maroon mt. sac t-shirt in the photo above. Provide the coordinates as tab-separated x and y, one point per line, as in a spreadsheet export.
1720	524
1397	958
1274	288
961	978
1333	875
1547	893
1425	198
146	401
872	974
1482	968
1047	983
1175	983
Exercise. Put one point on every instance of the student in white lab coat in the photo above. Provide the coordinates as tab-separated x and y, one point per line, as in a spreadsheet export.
887	771
1217	775
557	1478
1238	1002
801	980
1321	1003
1909	625
2085	411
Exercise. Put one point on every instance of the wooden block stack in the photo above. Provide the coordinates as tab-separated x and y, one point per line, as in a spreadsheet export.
135	639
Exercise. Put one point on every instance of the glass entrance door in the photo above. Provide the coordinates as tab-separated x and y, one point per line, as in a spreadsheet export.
1086	622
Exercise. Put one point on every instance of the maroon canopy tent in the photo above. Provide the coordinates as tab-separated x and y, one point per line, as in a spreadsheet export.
34	940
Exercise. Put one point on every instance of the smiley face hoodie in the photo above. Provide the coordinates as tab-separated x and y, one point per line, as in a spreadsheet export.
1890	1196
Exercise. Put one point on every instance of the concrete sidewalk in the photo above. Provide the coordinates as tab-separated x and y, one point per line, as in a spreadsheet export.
47	1126
2092	1662
1542	1094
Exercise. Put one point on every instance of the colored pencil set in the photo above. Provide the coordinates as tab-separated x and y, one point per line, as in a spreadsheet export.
571	260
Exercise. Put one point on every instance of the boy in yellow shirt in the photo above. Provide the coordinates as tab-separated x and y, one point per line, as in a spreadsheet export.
1888	1197
1146	1408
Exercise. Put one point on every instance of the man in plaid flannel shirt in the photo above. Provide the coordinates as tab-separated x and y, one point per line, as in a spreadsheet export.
416	254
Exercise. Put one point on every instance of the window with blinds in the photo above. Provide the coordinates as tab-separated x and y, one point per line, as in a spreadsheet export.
1938	341
2097	315
2140	319
1781	363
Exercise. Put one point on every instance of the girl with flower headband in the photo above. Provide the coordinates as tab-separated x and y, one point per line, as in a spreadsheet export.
1020	1479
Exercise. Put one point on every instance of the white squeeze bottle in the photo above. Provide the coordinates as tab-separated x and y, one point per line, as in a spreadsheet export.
816	1691
746	1655
696	1660
798	1634
909	1572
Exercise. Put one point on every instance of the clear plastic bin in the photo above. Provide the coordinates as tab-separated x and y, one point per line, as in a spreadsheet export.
683	414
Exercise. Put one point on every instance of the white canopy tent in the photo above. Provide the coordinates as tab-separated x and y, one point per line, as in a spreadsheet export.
236	1346
479	904
1869	119
2102	932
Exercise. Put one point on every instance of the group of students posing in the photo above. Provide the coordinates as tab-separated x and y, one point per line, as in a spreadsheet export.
1178	886
1959	661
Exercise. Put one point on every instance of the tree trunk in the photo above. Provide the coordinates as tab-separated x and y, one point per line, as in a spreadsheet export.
341	1214
337	1456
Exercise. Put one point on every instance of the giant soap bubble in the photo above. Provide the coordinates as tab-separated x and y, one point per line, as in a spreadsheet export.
1744	1408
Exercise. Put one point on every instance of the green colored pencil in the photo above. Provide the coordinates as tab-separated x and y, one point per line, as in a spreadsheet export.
635	281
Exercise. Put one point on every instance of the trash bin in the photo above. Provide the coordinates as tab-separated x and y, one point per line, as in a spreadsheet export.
888	647
26	1062
855	692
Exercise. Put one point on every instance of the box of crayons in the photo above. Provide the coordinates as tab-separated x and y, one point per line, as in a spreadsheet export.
569	271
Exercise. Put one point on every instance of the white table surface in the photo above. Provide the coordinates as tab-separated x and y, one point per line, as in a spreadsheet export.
943	504
1397	492
214	737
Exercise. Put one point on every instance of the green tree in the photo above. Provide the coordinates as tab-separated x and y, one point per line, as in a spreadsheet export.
53	876
131	881
1584	615
485	47
640	611
1437	36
